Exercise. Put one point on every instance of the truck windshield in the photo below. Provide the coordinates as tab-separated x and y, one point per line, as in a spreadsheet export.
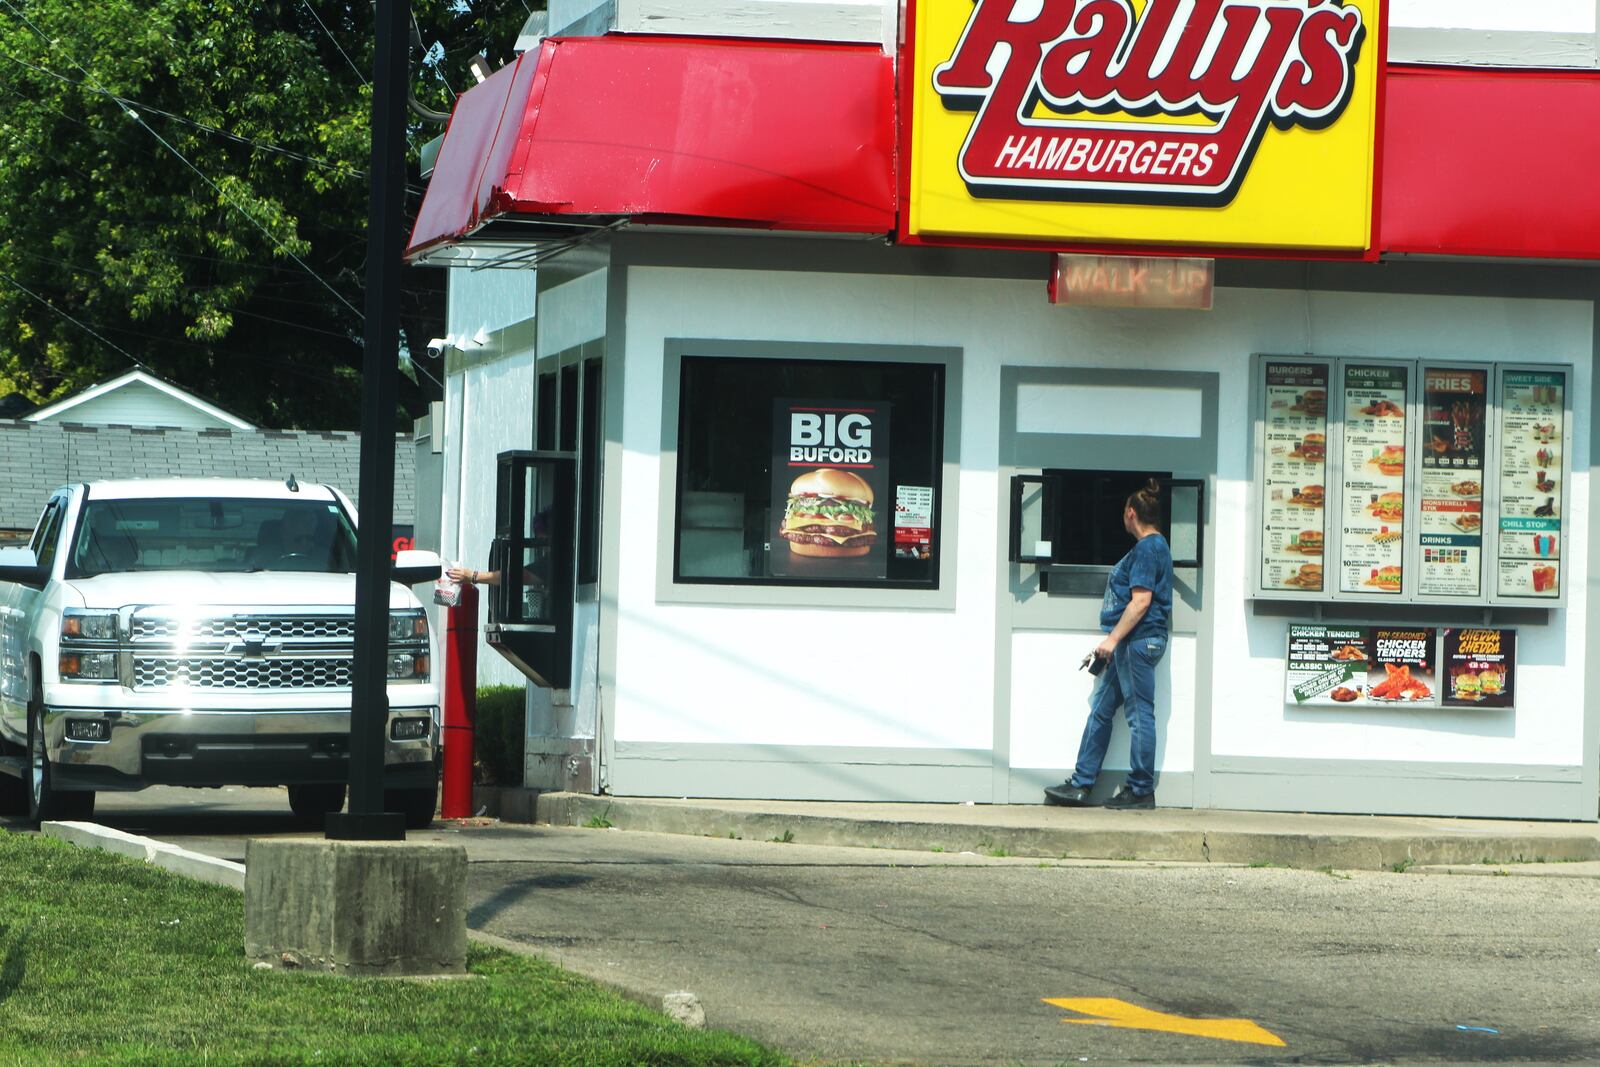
210	534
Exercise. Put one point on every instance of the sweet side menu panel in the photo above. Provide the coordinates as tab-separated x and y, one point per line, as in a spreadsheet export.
1532	407
1293	525
1372	549
1454	407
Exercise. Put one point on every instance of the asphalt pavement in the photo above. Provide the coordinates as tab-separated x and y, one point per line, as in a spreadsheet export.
882	955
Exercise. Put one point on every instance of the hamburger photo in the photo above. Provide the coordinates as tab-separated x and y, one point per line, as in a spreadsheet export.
1307	542
1392	460
829	515
1389	506
1313	448
1308	577
1309	496
1312	402
1385	578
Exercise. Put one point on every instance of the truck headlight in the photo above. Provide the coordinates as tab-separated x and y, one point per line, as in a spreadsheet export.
89	666
409	666
407	626
89	625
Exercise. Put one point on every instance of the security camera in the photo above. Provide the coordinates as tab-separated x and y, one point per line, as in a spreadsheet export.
437	346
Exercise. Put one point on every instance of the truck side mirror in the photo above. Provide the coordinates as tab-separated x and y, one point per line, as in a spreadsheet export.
415	566
21	567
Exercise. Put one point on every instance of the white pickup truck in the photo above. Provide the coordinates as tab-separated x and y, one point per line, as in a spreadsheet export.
199	632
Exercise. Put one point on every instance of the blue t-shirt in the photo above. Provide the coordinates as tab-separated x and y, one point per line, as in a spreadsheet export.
1148	565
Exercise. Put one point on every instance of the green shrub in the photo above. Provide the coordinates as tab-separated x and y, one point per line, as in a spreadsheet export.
497	735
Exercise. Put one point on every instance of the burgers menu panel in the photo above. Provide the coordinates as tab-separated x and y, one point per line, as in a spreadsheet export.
1454	407
1532	424
830	477
1293	523
1372	478
1479	668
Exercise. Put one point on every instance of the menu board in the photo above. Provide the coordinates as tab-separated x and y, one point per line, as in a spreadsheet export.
1360	666
1372	550
1293	520
1480	668
1532	421
1454	410
1327	665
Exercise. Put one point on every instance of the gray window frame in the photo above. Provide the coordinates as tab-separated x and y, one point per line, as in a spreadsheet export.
778	594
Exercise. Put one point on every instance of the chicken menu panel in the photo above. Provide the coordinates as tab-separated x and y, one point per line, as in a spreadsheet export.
1532	407
1372	548
1454	408
1293	520
1361	666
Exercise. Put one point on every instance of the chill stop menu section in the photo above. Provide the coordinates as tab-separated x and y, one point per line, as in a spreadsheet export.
1293	523
1454	407
1373	476
1532	406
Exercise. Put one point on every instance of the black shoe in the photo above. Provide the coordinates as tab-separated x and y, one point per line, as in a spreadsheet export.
1067	795
1126	798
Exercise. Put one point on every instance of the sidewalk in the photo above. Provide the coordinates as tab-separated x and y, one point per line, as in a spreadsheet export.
1346	842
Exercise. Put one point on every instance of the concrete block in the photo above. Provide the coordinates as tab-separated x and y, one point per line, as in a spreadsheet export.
357	908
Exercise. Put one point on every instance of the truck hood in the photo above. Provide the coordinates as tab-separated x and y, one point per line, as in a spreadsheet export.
263	589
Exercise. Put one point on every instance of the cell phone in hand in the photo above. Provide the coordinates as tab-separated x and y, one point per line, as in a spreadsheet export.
1094	663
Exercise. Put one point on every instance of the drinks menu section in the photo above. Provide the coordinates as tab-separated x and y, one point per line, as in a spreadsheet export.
1532	421
1295	461
1454	408
1373	480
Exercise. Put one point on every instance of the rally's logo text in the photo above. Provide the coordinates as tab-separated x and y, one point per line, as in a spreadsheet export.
1089	100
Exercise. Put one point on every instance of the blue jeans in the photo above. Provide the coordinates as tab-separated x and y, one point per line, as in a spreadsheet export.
1129	682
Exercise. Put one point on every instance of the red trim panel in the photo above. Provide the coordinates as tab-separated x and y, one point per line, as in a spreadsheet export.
792	136
1486	162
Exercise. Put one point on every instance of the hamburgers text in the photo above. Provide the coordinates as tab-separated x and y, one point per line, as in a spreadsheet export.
829	514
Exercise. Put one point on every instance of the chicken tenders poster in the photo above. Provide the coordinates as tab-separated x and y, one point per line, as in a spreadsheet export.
832	512
1361	666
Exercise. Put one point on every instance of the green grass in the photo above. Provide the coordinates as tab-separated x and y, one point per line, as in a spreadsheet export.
601	821
785	838
1403	866
107	961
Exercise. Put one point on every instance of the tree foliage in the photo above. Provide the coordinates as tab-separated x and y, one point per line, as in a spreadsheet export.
190	268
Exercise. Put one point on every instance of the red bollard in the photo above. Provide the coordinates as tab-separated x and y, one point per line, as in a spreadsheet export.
460	704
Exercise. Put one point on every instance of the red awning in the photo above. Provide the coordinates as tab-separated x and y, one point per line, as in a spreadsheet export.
1487	162
801	136
790	136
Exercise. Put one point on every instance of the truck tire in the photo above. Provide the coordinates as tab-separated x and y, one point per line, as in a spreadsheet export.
14	791
45	802
417	805
315	802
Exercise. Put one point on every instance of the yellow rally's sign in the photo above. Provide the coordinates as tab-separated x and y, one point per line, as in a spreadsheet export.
1248	123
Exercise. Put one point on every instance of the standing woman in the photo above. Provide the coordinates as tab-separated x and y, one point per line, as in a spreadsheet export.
1136	615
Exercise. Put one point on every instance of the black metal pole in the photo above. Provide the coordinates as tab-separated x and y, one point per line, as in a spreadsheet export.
380	371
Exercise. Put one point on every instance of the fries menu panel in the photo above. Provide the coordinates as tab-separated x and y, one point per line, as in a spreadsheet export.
1454	414
1532	429
1373	480
1295	431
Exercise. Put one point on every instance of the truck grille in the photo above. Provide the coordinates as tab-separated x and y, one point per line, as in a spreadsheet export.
270	627
199	672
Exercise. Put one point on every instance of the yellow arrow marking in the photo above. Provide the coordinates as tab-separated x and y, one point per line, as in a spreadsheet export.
1108	1011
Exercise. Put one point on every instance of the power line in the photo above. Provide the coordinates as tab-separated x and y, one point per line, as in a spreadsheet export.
80	325
131	113
335	41
217	131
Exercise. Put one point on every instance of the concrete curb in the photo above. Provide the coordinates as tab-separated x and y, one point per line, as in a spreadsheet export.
157	853
1117	838
680	1005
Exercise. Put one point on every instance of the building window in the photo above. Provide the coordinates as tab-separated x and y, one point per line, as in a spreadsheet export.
754	504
